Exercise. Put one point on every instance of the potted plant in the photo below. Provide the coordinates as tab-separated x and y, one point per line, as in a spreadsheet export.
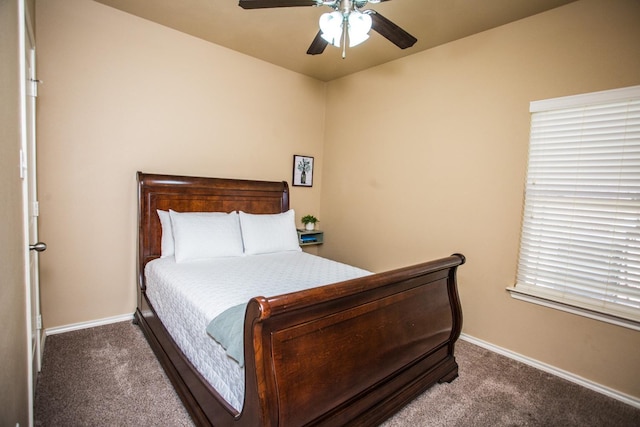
309	222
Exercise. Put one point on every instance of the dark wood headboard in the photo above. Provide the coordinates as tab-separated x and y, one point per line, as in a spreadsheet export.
192	194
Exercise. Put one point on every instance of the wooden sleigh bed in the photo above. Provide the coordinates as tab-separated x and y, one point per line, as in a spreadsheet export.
349	353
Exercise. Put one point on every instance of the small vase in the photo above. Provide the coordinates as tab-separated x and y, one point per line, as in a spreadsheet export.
309	226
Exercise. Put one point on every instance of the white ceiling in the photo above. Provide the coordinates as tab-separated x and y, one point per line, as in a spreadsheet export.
282	35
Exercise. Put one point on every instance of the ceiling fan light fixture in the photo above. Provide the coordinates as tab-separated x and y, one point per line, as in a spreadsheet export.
331	27
359	27
348	25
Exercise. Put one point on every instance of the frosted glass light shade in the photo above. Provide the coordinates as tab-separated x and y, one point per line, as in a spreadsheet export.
359	27
331	27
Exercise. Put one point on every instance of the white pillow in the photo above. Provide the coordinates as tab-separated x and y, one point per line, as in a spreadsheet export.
202	235
267	233
166	244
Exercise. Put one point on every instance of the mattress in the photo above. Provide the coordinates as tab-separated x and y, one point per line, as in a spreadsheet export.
187	296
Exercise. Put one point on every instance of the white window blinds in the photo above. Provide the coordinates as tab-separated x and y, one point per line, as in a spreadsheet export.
580	243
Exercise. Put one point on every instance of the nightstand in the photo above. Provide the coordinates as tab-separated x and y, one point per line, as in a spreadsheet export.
313	237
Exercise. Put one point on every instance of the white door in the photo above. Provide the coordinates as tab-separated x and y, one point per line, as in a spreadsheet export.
30	205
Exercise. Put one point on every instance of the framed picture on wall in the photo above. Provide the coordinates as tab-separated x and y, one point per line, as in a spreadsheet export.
302	171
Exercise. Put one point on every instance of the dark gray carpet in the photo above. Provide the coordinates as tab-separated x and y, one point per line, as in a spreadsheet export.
108	376
104	376
493	390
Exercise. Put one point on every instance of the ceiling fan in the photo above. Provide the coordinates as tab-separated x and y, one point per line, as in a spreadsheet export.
347	24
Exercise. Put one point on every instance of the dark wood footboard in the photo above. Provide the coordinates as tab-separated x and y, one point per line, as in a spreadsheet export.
354	352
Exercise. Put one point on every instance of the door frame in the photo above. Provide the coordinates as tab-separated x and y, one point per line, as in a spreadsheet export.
28	94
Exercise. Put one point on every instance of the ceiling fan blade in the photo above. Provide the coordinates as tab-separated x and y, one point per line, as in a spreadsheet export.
317	45
262	4
391	31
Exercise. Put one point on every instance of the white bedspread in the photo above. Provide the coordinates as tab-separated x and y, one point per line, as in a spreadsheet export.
187	296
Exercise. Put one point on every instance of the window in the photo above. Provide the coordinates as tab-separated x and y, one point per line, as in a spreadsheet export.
580	242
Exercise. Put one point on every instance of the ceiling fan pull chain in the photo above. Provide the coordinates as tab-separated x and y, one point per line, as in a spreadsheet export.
345	26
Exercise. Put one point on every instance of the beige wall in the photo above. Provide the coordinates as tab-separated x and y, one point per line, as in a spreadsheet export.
434	163
14	387
122	94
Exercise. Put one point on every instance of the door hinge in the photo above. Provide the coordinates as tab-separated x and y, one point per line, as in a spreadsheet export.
33	87
36	209
23	164
39	321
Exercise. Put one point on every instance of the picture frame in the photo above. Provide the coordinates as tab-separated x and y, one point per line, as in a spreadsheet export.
302	171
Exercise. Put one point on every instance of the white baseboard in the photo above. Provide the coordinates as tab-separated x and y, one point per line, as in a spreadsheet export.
89	324
625	398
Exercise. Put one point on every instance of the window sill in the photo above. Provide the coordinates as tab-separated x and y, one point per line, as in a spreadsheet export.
546	302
